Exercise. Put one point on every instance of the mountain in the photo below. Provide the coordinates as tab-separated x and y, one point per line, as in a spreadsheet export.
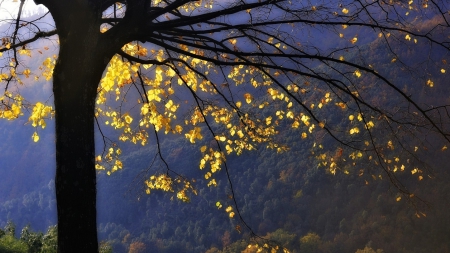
290	198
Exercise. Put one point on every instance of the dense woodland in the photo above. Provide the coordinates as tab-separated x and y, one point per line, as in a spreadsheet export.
289	199
292	202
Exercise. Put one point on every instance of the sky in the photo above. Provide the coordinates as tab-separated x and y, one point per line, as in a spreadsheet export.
9	8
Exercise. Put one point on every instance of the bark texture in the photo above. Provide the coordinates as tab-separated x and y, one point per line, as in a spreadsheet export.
82	59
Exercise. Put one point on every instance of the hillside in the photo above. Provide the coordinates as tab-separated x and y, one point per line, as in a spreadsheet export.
290	198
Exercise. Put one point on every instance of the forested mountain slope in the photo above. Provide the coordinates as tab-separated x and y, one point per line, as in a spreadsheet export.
290	198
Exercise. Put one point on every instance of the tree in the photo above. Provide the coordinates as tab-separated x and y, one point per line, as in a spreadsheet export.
29	241
49	240
310	243
195	52
136	247
32	239
368	249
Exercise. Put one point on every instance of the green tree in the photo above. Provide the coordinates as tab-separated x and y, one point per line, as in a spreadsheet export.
9	244
368	249
32	239
10	228
310	243
49	240
174	51
282	238
105	247
213	250
29	241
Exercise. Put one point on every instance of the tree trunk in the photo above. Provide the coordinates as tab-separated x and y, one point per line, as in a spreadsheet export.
78	71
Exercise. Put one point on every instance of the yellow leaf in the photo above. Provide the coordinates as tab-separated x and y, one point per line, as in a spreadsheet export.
178	129
128	118
342	105
345	11
399	198
370	124
390	145
27	72
354	130
135	68
202	163
248	98
194	134
360	118
35	137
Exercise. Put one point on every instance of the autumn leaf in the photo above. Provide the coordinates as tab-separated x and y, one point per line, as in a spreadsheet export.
248	98
35	137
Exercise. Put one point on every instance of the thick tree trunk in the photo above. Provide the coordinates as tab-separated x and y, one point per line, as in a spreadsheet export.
83	56
75	173
78	70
